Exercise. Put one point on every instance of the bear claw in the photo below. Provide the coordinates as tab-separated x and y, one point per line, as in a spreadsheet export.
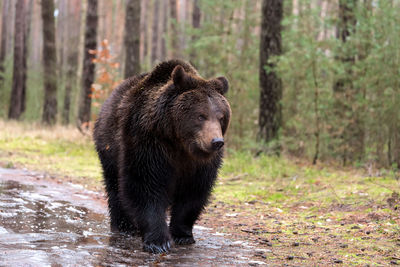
184	240
157	249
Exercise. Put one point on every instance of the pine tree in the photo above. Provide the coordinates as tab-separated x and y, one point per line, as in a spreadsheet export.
175	53
270	83
19	70
50	63
132	38
348	120
3	43
155	34
72	23
88	65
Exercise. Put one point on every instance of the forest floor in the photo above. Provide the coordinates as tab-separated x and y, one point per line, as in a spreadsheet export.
295	213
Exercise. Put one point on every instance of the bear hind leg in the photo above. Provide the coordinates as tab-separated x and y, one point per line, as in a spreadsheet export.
119	221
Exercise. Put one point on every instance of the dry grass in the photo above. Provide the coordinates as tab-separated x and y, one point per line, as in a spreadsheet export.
12	129
59	151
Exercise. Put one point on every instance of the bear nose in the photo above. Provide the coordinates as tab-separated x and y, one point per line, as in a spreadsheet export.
217	143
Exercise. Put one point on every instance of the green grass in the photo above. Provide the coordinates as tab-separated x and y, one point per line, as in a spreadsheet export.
282	183
62	157
59	151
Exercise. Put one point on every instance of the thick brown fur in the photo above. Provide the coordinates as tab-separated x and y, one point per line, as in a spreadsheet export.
159	137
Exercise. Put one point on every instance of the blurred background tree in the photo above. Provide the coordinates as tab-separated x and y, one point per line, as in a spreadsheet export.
88	71
132	38
337	63
270	118
17	99
49	63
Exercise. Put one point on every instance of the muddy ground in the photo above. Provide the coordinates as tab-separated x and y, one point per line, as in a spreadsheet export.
44	222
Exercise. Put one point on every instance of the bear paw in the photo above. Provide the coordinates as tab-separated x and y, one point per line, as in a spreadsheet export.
187	240
157	248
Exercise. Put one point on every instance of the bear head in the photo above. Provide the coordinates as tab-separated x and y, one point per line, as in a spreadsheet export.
200	113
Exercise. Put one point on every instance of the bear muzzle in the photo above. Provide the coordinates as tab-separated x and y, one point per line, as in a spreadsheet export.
217	143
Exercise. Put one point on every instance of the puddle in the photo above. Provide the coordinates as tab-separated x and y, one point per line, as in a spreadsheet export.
49	224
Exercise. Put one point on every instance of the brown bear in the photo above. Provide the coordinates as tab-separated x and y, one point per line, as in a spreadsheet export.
159	137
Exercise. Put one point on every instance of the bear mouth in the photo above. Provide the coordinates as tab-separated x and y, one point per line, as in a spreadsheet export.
199	152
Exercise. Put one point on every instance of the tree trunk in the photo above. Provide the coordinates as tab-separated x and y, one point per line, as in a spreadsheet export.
270	116
50	63
19	68
182	11
352	136
143	30
61	37
36	38
88	65
196	16
3	43
132	38
164	29
27	32
155	34
174	29
10	31
72	23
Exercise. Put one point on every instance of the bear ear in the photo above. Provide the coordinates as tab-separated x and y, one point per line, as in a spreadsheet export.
224	85
178	75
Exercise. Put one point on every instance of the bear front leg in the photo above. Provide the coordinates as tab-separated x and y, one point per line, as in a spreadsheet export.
149	214
183	216
153	228
146	208
190	198
143	182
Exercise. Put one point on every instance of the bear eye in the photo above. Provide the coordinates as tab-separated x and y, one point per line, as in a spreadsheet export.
201	118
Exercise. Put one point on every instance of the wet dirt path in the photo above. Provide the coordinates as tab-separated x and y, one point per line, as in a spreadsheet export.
44	223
